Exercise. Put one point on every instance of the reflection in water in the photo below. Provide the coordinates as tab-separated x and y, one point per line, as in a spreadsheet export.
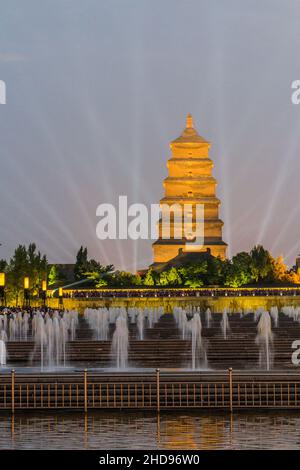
127	430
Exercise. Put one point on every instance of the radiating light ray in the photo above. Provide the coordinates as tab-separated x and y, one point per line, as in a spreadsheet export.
97	128
293	251
281	180
246	216
72	187
137	66
17	202
285	227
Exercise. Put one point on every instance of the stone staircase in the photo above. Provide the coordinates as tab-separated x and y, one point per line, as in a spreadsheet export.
164	348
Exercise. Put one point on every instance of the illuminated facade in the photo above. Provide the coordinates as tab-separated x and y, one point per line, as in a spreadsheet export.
190	181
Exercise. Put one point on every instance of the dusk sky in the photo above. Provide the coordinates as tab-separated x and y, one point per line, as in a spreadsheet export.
96	90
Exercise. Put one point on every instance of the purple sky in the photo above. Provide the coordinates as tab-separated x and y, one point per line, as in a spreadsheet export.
97	89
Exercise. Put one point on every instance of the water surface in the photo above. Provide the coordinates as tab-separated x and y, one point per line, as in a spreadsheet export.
132	430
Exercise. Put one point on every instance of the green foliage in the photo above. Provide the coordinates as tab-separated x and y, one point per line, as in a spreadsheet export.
258	267
98	274
261	264
192	275
149	279
121	279
3	265
170	277
56	276
26	262
215	272
81	264
238	272
91	269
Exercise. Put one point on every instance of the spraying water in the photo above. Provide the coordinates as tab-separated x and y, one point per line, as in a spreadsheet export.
264	339
208	318
225	327
274	315
98	320
2	353
194	327
140	325
51	334
120	342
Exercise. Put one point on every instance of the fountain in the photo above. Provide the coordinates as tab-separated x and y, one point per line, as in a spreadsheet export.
119	345
225	324
264	339
258	313
140	324
181	320
208	318
51	335
98	320
2	353
194	328
274	315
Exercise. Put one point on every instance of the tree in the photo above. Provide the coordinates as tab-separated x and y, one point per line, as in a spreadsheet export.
3	265
238	271
261	263
215	271
192	275
170	277
98	274
149	278
16	271
26	262
37	268
125	279
56	275
81	264
279	271
294	275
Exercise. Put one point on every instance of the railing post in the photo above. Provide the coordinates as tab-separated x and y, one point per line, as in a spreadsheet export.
158	389
13	390
230	389
85	391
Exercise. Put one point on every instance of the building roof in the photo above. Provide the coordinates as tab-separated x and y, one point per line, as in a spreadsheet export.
189	134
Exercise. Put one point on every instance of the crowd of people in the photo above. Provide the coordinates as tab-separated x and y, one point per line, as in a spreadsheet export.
213	292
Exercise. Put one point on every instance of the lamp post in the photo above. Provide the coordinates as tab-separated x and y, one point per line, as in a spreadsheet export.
2	289
44	292
60	296
26	292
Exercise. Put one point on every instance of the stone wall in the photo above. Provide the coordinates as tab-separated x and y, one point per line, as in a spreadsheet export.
216	304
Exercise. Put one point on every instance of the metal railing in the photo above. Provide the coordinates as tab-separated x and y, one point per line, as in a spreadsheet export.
155	393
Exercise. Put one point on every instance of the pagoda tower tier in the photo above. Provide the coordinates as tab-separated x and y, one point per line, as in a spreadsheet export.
190	182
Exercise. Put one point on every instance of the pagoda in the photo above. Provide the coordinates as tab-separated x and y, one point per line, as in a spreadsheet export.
190	182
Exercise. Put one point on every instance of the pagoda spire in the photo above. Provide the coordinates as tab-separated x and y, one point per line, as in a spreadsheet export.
189	121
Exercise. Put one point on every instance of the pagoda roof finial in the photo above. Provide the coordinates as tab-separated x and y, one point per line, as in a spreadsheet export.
189	121
190	134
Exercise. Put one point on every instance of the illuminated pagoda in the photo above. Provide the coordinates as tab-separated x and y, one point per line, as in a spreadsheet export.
190	181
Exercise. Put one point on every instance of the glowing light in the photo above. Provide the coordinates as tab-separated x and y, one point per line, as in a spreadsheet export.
44	286
2	279
60	292
26	282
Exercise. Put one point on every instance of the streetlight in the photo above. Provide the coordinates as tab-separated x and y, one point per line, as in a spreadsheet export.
60	295
26	292
2	288
44	292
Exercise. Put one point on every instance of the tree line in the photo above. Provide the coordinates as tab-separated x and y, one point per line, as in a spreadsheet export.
258	267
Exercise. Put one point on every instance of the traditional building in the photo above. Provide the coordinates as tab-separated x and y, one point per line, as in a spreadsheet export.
190	182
